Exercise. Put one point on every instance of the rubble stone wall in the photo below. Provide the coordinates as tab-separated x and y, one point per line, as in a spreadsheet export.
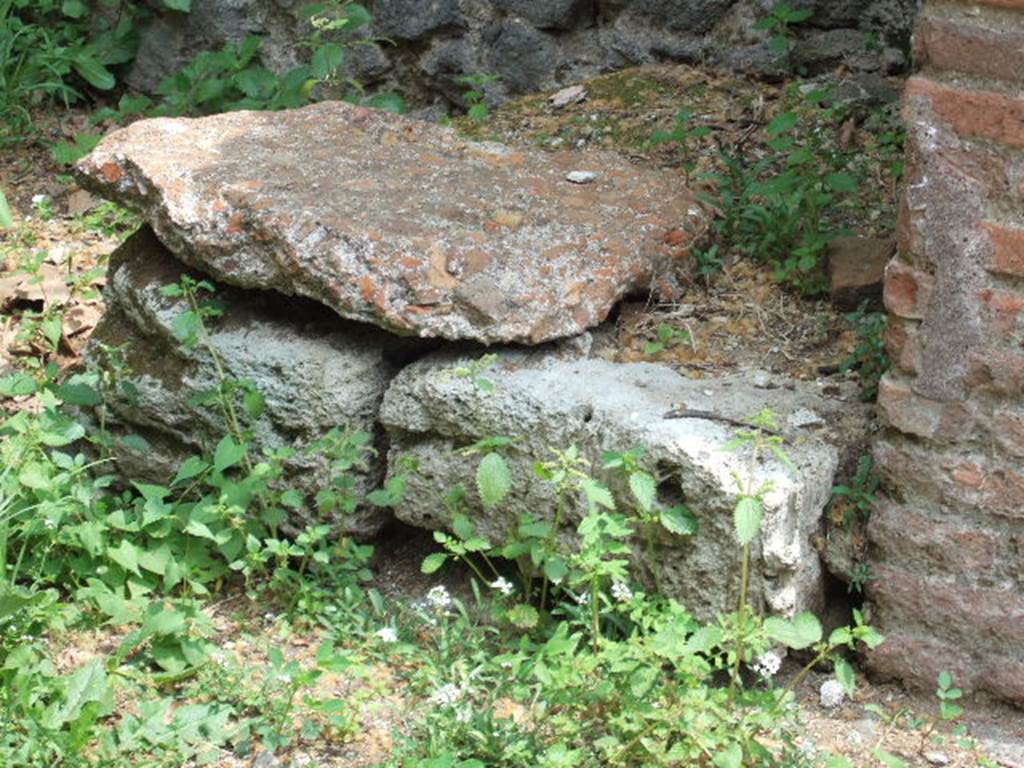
535	45
947	544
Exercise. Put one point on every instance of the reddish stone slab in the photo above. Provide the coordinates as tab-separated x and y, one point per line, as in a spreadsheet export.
401	223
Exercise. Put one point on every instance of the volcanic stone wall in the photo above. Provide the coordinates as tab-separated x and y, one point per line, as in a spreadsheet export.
948	542
427	46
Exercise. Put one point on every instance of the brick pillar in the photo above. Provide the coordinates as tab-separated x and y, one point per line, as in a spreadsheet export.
947	543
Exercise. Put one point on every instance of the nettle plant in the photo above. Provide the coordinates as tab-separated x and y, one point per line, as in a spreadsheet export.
777	207
603	672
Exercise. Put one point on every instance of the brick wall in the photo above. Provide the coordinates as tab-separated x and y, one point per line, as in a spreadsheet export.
947	544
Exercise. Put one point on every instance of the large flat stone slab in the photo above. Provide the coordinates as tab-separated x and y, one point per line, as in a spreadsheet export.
552	398
401	223
315	372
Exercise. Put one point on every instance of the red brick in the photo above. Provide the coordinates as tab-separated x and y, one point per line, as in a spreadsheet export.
962	46
942	543
1004	309
902	344
906	290
970	112
1008	431
999	371
1007	248
985	618
917	660
913	414
937	475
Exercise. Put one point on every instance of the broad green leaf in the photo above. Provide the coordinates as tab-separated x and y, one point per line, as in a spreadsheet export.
74	9
326	59
842	182
393	102
730	757
17	384
227	454
845	675
783	122
597	495
156	560
802	632
493	479
126	555
556	568
185	6
191	467
196	528
679	520
463	527
747	518
433	562
86	685
644	488
78	393
34	475
292	499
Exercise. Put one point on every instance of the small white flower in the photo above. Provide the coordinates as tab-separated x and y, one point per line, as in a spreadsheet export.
38	200
768	664
583	598
463	715
503	585
621	591
387	635
439	599
832	694
446	695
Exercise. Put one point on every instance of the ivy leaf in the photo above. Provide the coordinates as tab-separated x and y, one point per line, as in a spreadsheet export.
74	9
185	6
433	562
802	632
493	479
644	488
747	518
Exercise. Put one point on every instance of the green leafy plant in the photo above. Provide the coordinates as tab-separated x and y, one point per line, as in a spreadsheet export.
869	357
683	133
777	208
667	337
475	97
779	24
856	501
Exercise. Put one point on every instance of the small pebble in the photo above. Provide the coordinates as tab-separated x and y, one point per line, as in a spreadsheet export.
937	758
581	177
